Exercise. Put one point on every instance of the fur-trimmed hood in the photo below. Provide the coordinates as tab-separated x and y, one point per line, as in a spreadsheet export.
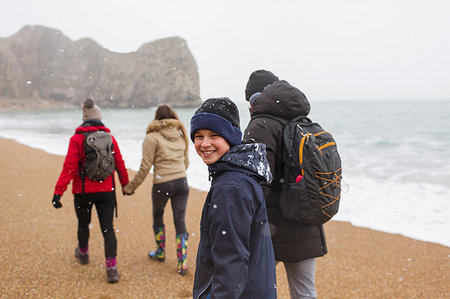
169	128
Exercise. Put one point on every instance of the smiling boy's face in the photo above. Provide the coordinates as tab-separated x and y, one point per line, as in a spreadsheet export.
210	146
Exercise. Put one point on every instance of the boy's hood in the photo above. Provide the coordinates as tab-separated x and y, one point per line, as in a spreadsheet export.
248	157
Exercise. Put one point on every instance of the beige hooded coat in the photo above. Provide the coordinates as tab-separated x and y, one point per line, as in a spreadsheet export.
165	149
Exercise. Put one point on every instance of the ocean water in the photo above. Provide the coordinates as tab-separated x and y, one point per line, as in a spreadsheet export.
396	156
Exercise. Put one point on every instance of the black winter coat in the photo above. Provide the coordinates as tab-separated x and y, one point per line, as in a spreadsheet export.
292	240
235	255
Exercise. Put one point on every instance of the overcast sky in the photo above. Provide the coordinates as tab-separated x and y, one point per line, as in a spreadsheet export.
331	50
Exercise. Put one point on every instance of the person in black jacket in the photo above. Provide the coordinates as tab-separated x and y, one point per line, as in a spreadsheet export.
235	255
295	244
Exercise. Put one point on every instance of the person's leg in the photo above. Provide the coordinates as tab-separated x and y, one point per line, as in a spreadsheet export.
160	196
301	278
179	202
105	204
83	210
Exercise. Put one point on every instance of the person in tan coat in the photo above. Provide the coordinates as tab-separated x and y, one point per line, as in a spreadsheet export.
165	148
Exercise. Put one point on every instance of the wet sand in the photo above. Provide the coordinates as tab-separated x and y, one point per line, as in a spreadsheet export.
37	244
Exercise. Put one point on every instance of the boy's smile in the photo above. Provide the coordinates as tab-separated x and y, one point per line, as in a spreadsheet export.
210	146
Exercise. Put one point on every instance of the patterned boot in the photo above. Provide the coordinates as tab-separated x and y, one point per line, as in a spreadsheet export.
182	252
160	238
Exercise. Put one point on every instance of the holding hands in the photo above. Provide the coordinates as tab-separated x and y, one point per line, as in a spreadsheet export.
127	190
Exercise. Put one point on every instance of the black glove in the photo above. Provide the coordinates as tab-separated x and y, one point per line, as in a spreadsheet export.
56	201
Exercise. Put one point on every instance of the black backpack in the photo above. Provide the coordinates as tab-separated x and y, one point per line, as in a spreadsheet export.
312	172
98	148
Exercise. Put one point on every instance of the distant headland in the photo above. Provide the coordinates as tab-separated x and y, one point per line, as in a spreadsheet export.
42	68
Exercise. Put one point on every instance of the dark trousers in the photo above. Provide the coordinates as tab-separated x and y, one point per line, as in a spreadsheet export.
178	192
104	203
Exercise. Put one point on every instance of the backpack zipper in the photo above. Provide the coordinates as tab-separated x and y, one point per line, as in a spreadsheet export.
305	140
300	149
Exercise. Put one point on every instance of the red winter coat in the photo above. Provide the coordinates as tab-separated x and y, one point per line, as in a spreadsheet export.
75	155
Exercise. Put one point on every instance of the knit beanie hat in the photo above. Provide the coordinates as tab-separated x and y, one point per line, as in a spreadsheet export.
91	110
257	81
219	115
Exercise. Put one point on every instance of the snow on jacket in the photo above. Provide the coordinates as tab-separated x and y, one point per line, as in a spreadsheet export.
235	255
292	241
75	156
163	148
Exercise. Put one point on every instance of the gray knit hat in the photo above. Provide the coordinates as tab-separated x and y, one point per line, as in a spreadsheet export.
91	110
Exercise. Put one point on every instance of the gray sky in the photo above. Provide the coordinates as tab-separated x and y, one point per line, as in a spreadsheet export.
346	49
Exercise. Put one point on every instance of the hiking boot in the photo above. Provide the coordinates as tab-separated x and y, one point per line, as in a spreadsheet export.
112	274
83	258
160	238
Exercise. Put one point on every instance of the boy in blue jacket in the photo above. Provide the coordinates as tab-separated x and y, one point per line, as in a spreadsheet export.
235	256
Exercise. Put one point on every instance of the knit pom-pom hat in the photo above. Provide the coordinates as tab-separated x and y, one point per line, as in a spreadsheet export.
219	115
91	110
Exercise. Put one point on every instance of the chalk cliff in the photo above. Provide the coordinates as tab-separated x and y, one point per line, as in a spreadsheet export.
42	64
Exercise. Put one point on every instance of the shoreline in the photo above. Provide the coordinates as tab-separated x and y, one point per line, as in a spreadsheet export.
41	104
201	190
38	242
24	104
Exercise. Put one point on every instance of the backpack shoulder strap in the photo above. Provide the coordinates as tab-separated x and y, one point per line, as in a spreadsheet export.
302	118
81	166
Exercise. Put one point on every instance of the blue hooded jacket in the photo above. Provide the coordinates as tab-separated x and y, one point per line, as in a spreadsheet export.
235	256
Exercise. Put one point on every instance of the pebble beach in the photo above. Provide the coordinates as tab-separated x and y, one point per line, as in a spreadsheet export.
38	241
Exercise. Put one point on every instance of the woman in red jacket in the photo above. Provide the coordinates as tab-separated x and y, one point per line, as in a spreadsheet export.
87	192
